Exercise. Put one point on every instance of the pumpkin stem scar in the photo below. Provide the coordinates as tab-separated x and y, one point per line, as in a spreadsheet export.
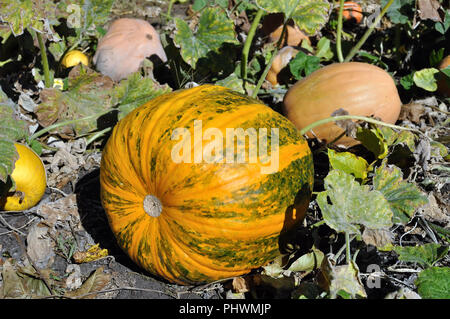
152	205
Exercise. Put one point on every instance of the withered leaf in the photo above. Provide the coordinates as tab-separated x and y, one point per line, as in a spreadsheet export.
428	9
95	283
88	93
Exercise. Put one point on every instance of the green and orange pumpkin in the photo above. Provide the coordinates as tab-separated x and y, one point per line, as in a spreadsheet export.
197	222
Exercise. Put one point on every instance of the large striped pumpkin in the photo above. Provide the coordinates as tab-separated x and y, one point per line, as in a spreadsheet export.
202	221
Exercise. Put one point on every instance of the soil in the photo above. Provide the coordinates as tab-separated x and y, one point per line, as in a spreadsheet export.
88	223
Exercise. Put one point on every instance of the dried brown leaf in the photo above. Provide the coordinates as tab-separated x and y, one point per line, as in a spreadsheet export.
64	209
429	9
40	246
239	285
348	126
432	212
412	112
381	238
95	283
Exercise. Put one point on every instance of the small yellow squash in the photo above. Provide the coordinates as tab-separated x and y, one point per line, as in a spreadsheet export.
30	178
73	58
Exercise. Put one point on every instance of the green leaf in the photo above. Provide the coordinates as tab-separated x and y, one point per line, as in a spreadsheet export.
403	197
425	79
434	283
309	15
407	81
426	255
373	59
348	163
443	27
302	65
372	139
345	204
436	57
397	9
57	49
199	4
214	28
323	51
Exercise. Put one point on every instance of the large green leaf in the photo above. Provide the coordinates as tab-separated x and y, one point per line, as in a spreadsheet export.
214	29
425	255
12	129
20	15
345	204
309	15
434	283
403	197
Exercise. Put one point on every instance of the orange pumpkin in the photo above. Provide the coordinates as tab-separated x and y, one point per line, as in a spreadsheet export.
198	220
360	88
352	11
281	60
443	82
273	26
125	46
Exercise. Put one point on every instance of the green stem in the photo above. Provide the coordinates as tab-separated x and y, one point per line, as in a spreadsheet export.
248	43
56	125
348	257
339	32
360	43
169	8
44	60
354	117
96	135
269	65
264	74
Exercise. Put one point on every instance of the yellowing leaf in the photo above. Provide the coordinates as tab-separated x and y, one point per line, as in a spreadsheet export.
342	280
308	262
93	253
345	204
214	28
372	139
425	79
309	15
403	197
349	163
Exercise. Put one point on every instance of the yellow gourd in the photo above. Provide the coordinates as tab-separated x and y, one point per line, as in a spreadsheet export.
73	58
30	178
